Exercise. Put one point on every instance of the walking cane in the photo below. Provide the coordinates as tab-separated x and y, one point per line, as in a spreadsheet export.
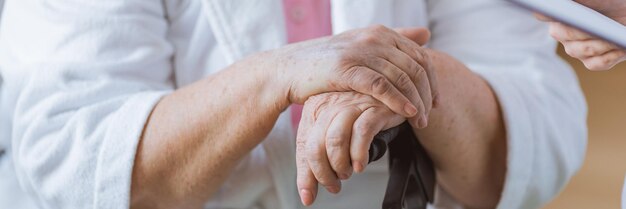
411	182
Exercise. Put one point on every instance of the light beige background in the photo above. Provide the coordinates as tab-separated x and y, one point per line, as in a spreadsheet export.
599	182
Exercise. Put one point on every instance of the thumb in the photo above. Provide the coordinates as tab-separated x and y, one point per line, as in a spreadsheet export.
421	36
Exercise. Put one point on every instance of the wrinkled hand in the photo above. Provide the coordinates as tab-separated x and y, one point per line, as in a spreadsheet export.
334	136
376	61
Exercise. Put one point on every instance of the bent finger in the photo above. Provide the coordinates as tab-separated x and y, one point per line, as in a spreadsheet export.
426	85
369	82
562	32
391	67
605	61
316	154
587	48
365	128
305	180
338	139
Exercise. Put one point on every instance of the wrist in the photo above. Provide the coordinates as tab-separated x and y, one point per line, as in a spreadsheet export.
271	81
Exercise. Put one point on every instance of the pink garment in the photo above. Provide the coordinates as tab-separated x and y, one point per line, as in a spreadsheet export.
305	19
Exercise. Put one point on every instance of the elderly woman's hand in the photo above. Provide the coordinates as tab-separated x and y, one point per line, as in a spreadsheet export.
375	61
334	136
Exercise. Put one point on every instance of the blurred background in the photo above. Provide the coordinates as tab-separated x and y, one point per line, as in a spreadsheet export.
599	183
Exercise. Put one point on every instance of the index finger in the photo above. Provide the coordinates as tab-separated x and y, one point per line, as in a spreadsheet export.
369	82
427	85
562	32
305	180
419	36
408	41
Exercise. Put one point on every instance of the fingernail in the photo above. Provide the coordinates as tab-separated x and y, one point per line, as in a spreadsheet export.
410	109
306	197
358	167
333	189
423	122
343	176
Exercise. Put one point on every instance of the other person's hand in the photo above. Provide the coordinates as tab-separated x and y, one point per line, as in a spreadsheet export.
376	61
334	136
595	53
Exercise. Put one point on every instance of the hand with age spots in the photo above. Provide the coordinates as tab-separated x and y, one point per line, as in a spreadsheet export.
333	139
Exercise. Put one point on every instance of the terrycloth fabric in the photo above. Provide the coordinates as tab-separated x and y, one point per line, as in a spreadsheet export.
80	77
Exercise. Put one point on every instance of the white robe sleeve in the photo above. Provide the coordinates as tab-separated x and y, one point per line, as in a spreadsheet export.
90	73
542	104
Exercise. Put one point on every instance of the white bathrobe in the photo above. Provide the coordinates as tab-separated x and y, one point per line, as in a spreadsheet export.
79	78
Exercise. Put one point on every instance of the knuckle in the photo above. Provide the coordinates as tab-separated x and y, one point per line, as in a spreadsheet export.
352	73
324	177
426	58
338	160
368	39
313	154
419	56
377	28
335	142
364	128
341	167
606	61
587	50
313	106
418	71
592	65
404	81
326	180
402	78
372	33
380	85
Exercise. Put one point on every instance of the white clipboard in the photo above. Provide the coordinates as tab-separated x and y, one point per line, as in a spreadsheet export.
580	17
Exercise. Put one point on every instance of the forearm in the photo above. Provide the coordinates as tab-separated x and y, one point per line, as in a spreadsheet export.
466	136
196	135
